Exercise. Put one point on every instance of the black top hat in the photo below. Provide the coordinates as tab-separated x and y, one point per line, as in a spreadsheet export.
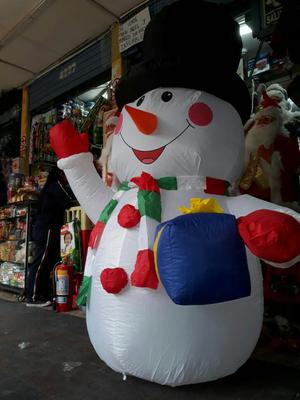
190	44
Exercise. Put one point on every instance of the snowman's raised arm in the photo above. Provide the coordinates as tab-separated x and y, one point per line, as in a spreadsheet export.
271	232
77	163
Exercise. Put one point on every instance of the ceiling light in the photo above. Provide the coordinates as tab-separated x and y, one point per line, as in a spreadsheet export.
245	29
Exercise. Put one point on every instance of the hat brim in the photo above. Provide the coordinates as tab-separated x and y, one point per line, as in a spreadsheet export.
147	76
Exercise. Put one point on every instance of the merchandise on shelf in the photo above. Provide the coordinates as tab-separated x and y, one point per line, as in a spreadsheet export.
15	182
15	251
12	274
75	110
70	249
7	251
12	212
21	188
18	165
39	147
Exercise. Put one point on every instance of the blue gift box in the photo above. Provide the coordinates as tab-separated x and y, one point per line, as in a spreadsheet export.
201	259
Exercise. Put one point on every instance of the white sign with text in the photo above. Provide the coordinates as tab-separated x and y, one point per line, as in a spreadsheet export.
132	31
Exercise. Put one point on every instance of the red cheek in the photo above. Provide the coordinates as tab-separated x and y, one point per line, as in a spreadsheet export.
200	114
119	125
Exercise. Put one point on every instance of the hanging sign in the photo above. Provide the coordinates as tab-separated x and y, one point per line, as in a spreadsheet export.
271	12
132	31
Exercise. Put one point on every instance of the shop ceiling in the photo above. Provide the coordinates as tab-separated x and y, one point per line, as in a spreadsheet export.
35	34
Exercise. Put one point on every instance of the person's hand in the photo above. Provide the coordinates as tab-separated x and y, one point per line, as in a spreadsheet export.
66	141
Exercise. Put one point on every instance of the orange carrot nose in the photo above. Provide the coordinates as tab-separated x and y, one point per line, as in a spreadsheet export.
145	121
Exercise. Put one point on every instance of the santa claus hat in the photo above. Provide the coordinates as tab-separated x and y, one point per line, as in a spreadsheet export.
268	101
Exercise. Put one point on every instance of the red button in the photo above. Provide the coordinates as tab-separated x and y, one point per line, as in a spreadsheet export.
129	216
113	280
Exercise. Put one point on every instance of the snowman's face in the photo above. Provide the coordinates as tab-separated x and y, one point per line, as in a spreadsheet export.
178	132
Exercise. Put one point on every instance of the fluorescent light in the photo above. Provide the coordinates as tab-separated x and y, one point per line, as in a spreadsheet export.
245	29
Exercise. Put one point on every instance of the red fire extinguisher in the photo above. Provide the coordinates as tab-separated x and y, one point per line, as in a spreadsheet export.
64	287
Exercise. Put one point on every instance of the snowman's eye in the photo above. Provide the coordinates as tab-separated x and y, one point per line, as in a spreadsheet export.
140	100
166	96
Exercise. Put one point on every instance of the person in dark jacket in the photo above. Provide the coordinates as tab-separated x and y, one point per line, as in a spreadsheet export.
54	199
3	190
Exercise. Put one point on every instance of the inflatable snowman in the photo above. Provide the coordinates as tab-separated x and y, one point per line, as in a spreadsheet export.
173	282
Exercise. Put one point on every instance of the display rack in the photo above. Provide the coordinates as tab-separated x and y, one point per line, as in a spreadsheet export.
15	232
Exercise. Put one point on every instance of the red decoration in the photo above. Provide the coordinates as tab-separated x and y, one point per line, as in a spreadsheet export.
271	235
268	102
146	182
216	186
66	141
144	274
145	122
113	280
129	216
96	234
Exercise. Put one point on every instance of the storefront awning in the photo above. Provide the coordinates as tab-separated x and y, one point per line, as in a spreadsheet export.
36	34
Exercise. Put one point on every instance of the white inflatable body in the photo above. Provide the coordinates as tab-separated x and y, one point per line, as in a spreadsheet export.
140	331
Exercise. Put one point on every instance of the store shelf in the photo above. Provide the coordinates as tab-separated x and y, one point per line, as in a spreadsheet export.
12	262
13	273
12	240
16	217
10	288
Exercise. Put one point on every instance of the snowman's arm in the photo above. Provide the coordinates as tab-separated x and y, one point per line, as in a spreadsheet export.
271	232
246	204
86	184
71	148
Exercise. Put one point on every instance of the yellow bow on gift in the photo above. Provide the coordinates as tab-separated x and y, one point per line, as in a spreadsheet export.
198	205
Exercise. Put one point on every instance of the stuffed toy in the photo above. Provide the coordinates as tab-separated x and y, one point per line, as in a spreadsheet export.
173	285
272	157
105	159
290	116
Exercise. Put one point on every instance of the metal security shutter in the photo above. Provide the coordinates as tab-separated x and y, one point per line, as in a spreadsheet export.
155	6
85	66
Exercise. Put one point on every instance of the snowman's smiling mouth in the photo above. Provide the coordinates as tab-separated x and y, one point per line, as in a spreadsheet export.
150	156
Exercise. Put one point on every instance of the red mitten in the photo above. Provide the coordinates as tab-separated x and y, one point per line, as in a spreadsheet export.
271	235
66	141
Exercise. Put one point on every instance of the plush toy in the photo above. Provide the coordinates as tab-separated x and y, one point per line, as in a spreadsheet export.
290	116
105	159
172	284
272	157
